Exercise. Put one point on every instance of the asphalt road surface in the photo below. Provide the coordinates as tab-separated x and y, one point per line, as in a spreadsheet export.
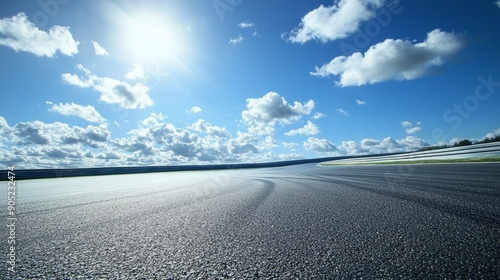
304	221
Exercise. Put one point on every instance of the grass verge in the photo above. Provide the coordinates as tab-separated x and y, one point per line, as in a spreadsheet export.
457	160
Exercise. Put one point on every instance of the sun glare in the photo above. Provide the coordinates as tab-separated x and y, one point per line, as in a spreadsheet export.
151	38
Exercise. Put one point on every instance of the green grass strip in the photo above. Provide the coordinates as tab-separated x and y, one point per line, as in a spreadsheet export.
457	160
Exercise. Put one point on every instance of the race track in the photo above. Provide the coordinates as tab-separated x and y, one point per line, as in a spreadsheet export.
302	221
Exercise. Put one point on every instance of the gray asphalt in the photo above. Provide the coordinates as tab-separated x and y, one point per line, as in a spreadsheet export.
304	221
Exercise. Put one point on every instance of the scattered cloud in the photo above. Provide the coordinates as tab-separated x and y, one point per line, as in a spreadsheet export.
389	145
318	115
288	145
343	112
244	143
319	145
195	110
98	49
492	134
3	123
79	81
246	24
159	142
392	60
88	113
249	25
351	148
264	113
137	72
360	102
75	80
49	145
338	21
236	40
497	3
410	127
211	130
59	134
20	34
268	143
112	91
309	129
28	133
365	146
413	130
123	94
156	138
154	119
406	124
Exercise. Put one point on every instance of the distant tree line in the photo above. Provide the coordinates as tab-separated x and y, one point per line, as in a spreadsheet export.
465	142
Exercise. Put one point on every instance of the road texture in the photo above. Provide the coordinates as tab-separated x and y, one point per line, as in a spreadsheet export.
303	221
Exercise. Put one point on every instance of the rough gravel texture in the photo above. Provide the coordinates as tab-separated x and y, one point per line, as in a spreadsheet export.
304	221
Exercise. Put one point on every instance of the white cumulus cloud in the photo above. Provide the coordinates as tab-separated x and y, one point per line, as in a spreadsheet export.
318	115
319	145
246	24
98	49
244	143
88	113
360	102
136	73
410	127
154	119
122	93
20	34
195	110
406	124
3	123
236	40
75	80
413	129
390	145
56	134
308	129
392	60
334	22
112	91
492	134
289	145
265	112
343	112
212	130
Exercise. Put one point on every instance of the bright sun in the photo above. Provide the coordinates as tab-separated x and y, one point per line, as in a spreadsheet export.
149	38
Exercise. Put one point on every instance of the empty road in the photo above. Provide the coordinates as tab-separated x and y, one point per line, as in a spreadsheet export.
303	221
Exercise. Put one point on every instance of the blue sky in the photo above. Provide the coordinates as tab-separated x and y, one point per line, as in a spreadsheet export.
94	83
